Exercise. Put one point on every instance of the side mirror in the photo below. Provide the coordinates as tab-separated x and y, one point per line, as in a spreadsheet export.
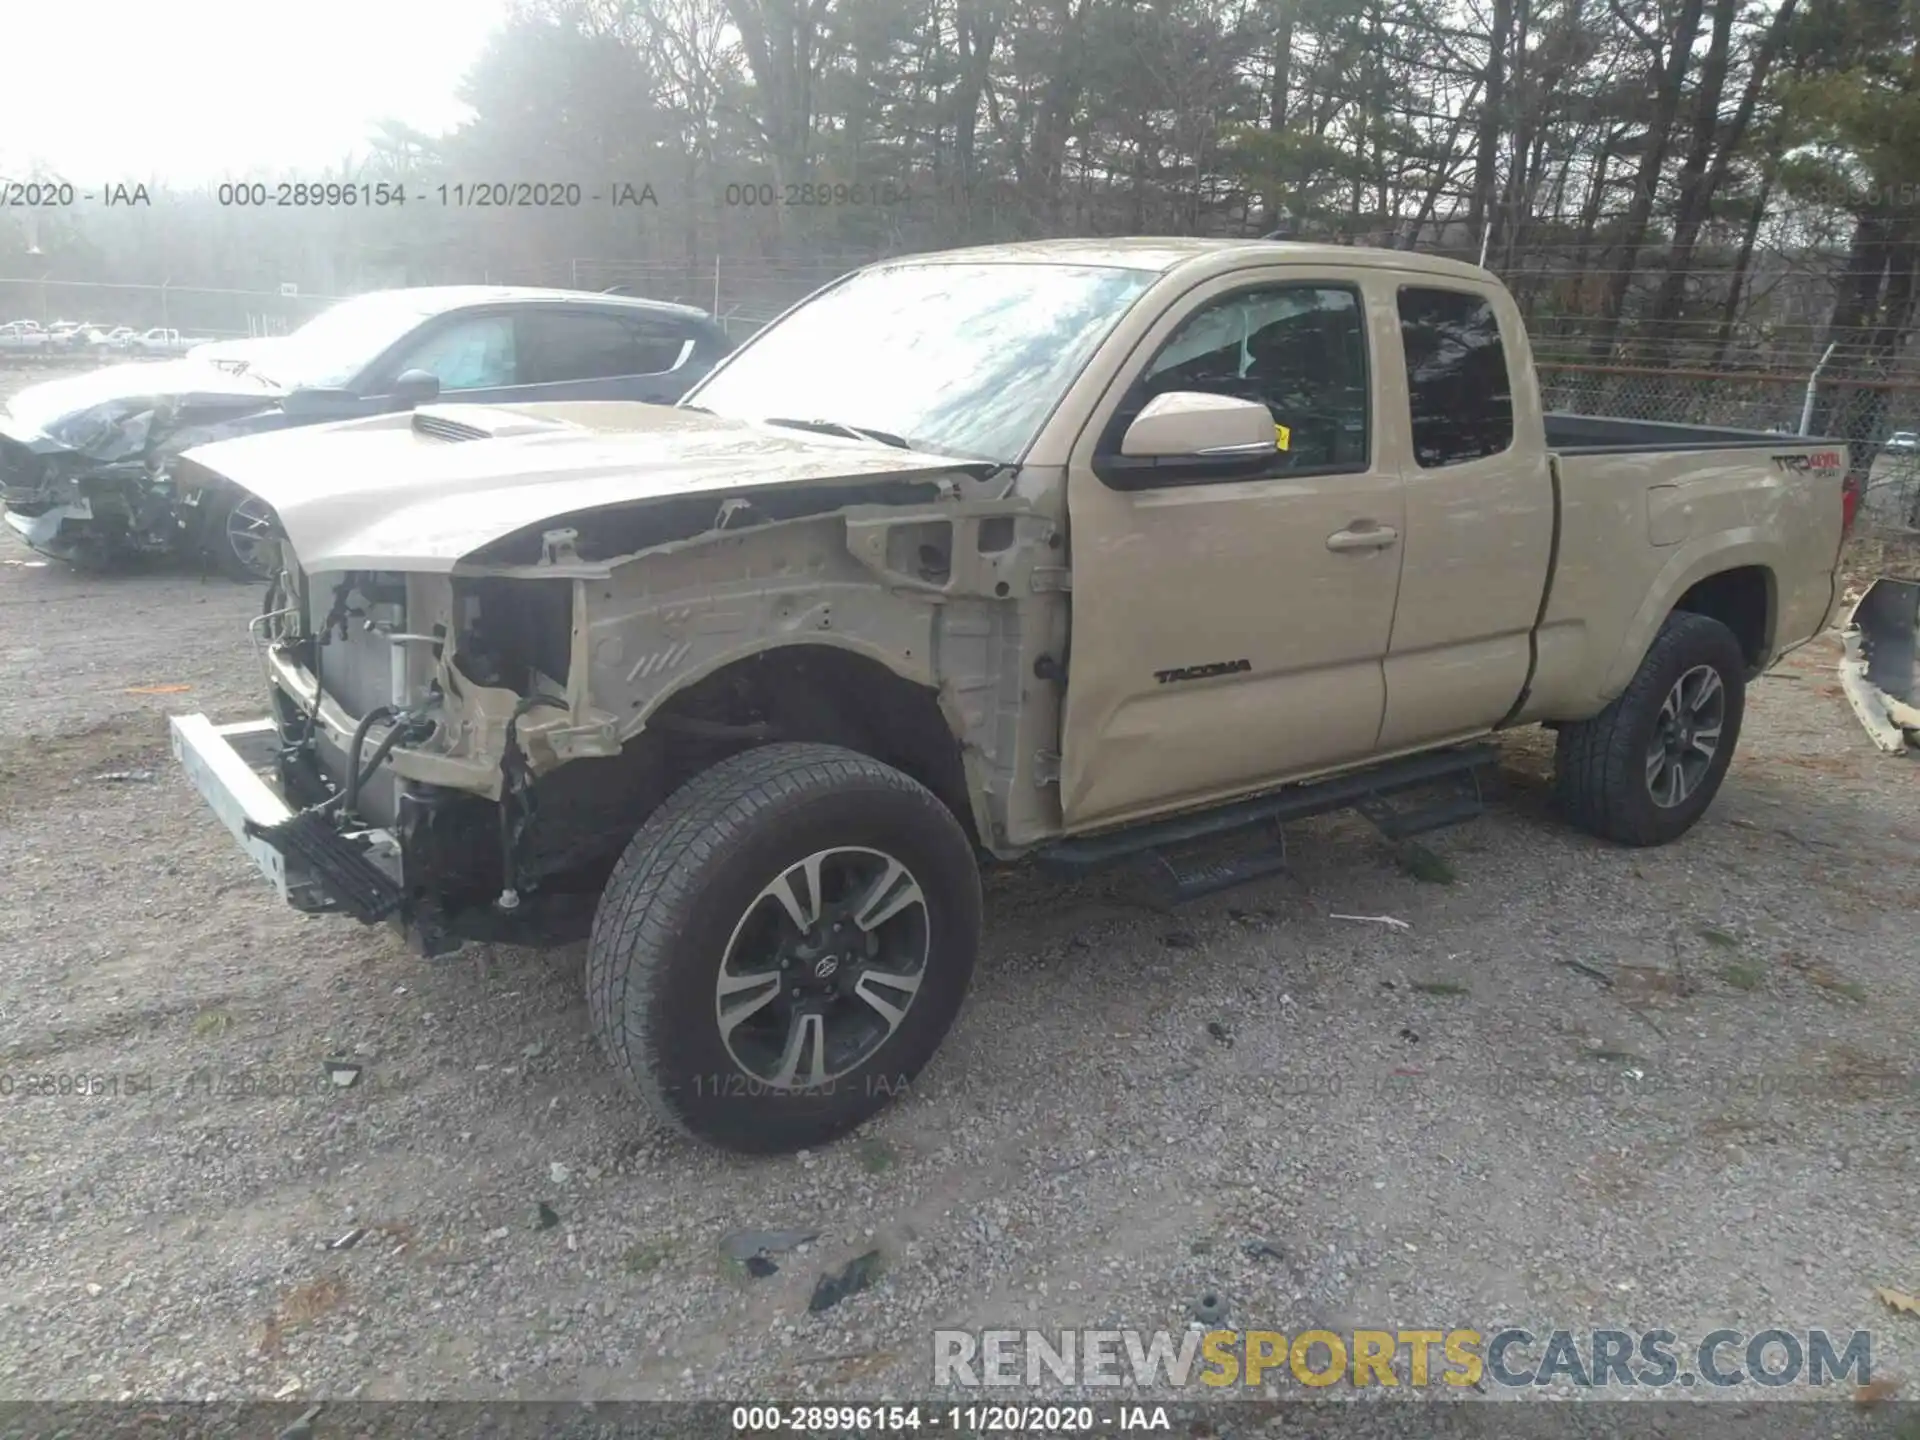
1188	424
415	387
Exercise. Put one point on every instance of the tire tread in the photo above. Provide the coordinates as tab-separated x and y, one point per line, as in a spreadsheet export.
1598	767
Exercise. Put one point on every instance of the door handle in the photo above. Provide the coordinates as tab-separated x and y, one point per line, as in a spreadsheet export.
1363	535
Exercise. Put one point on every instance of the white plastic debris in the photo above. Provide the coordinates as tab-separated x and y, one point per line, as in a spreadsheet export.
1391	921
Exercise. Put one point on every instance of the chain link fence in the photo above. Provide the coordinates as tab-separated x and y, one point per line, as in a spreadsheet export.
193	310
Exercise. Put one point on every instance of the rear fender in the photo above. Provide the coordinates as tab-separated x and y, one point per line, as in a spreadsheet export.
1692	562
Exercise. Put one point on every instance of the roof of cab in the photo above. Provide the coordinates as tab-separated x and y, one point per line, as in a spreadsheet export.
437	299
1165	253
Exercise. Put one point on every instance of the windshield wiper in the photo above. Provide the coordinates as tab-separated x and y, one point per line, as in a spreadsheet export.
834	427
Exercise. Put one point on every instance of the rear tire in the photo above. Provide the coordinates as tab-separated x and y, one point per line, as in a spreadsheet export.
1636	773
786	883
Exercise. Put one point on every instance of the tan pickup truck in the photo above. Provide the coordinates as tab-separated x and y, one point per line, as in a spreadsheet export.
1084	550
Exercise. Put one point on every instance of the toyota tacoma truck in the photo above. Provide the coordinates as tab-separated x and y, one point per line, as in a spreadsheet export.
1084	551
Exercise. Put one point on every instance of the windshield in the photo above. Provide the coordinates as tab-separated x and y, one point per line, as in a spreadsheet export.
958	359
331	350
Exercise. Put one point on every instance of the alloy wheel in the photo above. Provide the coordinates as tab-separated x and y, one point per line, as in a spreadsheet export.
250	536
822	968
1686	736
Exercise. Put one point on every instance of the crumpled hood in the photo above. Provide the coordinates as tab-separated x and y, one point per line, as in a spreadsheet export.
417	492
85	412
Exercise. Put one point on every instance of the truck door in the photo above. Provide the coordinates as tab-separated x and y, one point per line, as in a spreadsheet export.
1230	633
1479	512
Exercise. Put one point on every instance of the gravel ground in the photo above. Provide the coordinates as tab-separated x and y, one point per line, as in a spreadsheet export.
1585	1086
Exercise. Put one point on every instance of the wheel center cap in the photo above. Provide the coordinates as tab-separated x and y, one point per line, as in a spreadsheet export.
824	967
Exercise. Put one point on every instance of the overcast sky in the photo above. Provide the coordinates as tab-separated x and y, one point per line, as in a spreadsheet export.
191	91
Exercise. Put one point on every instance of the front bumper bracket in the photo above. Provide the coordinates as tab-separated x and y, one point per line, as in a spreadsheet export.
313	866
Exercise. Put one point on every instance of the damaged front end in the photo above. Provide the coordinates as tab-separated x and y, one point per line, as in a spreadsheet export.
95	484
410	713
467	754
435	758
480	694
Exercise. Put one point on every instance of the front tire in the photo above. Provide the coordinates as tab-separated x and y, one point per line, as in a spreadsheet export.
1644	769
783	946
238	536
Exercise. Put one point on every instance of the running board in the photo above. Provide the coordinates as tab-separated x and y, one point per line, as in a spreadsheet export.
346	875
1402	822
1368	791
1184	883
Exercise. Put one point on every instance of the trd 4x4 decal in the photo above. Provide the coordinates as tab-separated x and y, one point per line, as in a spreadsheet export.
1827	461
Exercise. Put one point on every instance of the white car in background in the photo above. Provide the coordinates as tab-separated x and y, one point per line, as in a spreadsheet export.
1902	442
22	336
162	341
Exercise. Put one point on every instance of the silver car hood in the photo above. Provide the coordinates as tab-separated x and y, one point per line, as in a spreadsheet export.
418	491
134	386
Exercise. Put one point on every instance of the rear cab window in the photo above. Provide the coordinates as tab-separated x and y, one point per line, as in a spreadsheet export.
1459	391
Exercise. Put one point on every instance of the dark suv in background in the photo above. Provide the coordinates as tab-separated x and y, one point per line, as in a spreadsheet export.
86	462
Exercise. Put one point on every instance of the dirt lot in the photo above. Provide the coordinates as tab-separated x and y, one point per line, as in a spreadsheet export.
1585	1086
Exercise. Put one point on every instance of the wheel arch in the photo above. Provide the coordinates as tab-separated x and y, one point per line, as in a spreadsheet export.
1747	603
831	689
1745	599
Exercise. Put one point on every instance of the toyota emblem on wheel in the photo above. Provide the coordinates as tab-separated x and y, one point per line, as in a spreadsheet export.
824	964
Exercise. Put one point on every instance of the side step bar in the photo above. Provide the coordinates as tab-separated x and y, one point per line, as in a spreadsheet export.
1190	882
1371	792
1459	800
362	888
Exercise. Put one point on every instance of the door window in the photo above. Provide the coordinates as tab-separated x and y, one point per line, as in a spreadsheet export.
1457	384
472	354
559	345
1300	350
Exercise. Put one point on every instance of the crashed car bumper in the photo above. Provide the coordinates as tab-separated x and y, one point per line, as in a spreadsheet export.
310	864
1880	668
41	530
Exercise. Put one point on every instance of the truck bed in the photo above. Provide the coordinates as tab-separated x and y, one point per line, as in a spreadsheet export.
1644	511
1569	434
